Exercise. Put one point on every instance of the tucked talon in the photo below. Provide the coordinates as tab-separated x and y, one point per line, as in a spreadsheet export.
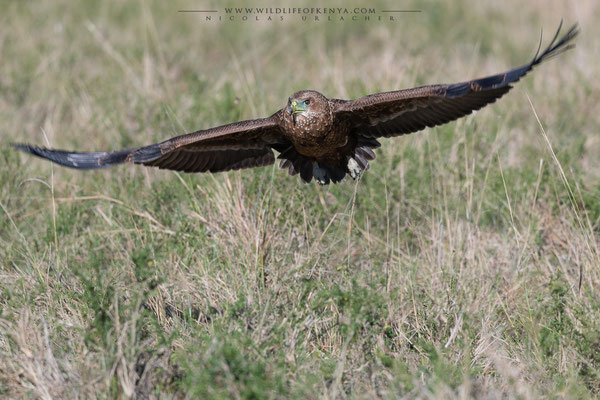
353	168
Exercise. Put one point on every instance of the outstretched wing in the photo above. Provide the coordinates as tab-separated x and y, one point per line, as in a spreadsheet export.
405	111
239	145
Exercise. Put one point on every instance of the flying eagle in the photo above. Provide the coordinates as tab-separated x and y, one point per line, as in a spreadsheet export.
315	136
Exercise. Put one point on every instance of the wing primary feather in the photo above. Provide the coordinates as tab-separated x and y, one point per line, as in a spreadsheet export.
188	159
77	160
194	167
181	160
555	47
147	154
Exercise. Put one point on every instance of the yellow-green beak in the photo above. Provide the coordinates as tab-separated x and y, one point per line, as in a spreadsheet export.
298	107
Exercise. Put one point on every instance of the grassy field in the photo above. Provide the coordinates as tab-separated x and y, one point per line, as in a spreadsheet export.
465	264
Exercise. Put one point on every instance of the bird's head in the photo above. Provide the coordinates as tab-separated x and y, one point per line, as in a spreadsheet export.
306	101
298	106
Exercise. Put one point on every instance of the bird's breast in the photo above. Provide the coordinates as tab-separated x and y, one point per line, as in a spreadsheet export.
314	137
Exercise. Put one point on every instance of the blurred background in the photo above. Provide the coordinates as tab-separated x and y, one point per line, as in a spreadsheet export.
464	263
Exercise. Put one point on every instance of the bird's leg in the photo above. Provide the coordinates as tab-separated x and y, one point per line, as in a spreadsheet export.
320	174
354	168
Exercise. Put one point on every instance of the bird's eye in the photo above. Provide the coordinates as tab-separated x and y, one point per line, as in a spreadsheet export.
307	102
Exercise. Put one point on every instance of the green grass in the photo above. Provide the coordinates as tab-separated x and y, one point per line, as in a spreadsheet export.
450	271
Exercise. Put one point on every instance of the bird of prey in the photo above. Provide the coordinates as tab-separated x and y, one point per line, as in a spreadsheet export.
315	136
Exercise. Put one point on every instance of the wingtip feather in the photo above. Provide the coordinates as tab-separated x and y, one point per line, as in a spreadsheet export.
73	159
557	46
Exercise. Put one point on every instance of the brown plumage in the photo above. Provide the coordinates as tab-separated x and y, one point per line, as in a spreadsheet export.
315	136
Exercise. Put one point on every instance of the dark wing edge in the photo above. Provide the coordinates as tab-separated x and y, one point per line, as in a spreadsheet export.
406	111
243	144
505	79
78	160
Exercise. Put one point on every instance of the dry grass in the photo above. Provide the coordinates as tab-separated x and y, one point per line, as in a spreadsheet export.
464	264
